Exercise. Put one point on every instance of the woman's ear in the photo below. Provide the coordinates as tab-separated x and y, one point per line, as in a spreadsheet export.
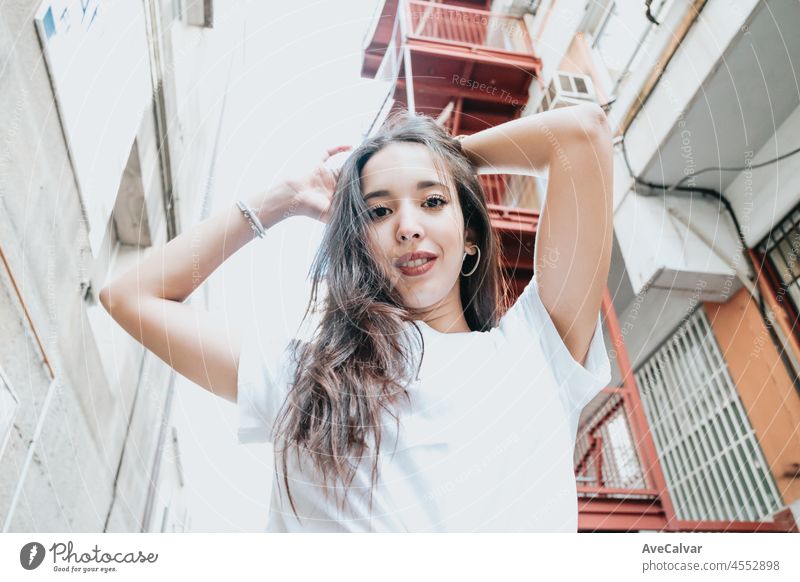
470	241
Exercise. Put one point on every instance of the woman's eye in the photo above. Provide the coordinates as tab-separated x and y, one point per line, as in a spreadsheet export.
437	198
373	211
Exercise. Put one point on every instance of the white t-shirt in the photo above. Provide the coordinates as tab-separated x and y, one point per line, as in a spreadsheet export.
486	443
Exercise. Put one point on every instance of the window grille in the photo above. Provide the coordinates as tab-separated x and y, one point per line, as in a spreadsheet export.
782	247
714	466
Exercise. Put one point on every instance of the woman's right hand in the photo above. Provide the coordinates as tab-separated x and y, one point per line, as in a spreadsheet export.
313	192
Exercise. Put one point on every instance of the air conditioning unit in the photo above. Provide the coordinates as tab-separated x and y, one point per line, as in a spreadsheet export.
567	89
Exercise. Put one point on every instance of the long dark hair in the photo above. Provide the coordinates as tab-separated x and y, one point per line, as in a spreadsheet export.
356	365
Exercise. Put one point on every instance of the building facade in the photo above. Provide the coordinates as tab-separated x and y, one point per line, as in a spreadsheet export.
698	431
701	99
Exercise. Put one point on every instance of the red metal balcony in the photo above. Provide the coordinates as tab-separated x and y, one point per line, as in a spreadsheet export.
470	67
487	34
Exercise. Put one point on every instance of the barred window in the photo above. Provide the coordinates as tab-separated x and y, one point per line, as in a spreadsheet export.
714	466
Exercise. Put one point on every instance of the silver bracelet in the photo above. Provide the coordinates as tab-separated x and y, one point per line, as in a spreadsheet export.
255	223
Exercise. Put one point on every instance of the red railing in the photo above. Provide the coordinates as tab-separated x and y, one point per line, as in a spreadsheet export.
467	26
493	187
513	191
606	452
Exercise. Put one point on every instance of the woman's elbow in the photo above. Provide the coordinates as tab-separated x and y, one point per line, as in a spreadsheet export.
593	123
103	297
108	298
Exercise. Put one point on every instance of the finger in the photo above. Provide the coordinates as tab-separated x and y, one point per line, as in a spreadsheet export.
335	150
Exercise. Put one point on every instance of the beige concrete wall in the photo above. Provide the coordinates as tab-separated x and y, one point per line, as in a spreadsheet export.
765	388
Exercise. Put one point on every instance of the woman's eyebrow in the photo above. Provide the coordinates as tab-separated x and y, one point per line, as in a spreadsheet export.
422	185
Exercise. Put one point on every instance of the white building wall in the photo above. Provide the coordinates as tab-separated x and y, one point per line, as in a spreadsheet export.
674	248
98	463
670	265
671	254
763	196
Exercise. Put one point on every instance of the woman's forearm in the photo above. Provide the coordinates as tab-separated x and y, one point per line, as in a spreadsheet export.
177	268
529	144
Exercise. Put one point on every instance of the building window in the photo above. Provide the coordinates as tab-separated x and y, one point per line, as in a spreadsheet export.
713	464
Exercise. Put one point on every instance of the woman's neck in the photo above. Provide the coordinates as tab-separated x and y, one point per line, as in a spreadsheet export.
449	317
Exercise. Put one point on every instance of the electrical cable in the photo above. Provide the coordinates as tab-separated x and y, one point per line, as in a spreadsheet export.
667	190
648	12
733	169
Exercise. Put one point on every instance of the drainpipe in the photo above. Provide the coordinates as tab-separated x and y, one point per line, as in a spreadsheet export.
650	84
26	311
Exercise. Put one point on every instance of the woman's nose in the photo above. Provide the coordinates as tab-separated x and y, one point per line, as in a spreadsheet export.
408	226
405	235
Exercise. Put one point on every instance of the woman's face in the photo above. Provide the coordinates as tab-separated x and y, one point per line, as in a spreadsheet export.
409	210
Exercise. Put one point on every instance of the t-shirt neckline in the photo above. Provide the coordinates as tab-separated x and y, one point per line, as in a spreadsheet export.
436	332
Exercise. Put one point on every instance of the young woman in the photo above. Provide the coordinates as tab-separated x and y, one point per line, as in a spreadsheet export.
421	402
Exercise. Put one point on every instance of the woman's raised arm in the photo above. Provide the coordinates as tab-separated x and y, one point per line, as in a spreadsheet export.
574	235
529	144
147	300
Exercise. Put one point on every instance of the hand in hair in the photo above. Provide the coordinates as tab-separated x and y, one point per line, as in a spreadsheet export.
314	191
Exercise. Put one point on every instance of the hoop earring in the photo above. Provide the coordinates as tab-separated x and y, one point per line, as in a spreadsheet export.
475	266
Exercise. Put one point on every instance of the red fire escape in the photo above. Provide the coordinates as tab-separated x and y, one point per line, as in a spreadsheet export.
472	69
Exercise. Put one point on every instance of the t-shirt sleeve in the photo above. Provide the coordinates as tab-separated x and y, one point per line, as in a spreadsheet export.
580	382
262	385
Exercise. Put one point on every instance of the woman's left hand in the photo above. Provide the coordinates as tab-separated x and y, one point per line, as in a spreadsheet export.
314	191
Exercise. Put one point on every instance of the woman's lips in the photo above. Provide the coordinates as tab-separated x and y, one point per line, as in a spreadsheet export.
417	271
